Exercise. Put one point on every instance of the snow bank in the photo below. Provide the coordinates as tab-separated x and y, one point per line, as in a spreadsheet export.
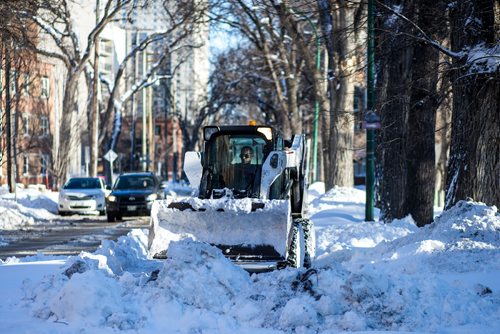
441	278
124	290
26	208
368	276
463	239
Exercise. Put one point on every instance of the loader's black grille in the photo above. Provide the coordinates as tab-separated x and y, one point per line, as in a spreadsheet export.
185	206
250	253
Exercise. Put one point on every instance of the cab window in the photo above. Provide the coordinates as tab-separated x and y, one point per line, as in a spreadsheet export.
236	162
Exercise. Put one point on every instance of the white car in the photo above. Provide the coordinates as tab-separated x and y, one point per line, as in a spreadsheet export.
83	195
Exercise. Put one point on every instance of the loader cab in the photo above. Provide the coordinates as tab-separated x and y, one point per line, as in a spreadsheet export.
233	159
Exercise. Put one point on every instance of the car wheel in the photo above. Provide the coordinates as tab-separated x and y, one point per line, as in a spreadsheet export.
119	218
111	217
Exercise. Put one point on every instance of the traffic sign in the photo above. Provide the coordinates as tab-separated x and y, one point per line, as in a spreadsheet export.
111	156
373	126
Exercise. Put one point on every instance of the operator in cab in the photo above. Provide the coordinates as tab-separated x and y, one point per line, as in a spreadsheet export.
245	171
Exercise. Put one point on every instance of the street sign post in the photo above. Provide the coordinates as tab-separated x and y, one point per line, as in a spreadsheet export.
111	156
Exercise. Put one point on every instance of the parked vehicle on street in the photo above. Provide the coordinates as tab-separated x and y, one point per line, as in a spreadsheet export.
133	194
83	195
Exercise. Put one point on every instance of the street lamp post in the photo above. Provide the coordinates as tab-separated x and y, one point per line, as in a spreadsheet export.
167	107
314	169
372	121
156	80
316	109
144	117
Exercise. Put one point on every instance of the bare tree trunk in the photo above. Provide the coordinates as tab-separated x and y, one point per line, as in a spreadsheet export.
66	133
421	172
94	119
396	75
294	117
445	120
474	166
342	125
326	19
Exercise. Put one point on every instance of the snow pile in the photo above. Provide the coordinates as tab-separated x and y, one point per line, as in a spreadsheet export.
342	194
338	242
463	239
25	208
368	276
124	291
443	276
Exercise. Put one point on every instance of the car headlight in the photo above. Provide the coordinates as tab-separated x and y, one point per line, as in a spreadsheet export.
112	198
151	197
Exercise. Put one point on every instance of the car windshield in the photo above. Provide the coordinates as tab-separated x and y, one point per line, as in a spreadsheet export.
134	182
236	162
83	183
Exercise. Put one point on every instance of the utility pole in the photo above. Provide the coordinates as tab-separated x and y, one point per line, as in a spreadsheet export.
151	133
94	124
175	153
371	117
316	106
167	107
135	37
144	116
11	172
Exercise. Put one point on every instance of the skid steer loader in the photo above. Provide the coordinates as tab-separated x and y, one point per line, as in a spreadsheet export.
252	211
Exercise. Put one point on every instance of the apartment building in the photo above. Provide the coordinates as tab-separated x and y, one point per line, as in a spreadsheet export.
33	107
151	121
174	93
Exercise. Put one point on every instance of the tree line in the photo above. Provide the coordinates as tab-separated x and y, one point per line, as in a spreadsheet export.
47	29
432	57
293	58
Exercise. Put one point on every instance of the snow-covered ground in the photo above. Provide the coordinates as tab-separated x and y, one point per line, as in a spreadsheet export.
367	277
25	208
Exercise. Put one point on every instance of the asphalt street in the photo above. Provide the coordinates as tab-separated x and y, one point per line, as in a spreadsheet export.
66	235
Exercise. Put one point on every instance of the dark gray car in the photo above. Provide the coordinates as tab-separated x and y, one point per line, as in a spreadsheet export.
133	195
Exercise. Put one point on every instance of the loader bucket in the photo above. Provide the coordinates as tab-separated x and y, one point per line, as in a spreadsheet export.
246	230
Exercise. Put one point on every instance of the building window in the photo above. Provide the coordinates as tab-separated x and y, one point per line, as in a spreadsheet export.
26	84
358	101
26	164
108	48
44	126
43	164
26	125
45	88
13	82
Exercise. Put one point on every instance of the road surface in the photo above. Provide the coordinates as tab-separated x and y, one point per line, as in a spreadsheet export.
66	235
